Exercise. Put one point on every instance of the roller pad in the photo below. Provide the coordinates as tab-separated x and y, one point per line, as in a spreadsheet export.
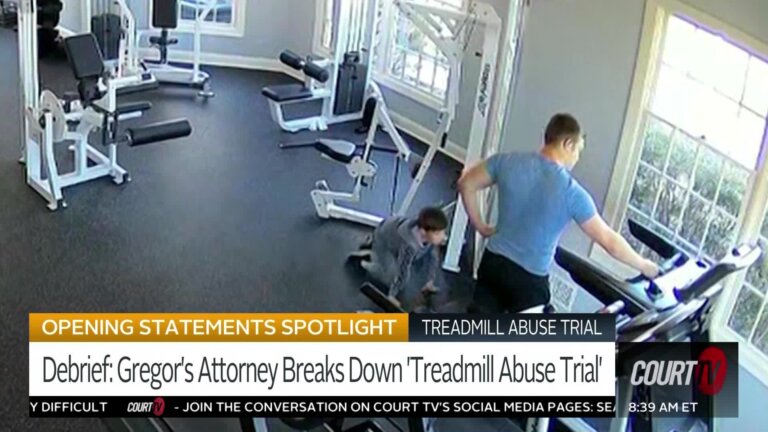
316	72
132	107
292	59
157	132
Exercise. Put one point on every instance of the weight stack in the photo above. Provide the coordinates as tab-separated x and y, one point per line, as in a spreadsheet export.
351	85
108	31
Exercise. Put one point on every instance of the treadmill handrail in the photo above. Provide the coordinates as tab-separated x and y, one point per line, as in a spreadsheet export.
654	241
586	273
739	259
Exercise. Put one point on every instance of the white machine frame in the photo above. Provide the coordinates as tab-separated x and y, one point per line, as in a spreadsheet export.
446	28
361	37
128	64
44	124
194	76
48	127
362	169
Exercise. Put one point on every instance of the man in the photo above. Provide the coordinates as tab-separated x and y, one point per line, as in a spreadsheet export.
537	198
403	249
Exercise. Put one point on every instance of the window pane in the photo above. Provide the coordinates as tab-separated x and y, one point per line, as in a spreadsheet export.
411	67
224	12
703	64
678	39
696	217
756	93
670	99
441	79
657	143
430	48
397	66
708	173
745	312
670	206
748	138
646	187
426	73
210	17
716	118
760	338
721	235
757	275
682	158
732	189
729	68
187	13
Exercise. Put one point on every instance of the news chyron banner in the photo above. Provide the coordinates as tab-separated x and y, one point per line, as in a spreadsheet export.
281	365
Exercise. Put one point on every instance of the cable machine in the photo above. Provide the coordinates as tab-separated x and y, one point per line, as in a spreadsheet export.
47	121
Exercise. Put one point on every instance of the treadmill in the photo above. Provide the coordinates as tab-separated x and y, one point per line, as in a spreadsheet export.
676	306
673	307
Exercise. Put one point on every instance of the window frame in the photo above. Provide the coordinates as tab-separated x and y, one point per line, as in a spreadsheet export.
386	44
321	9
236	29
647	66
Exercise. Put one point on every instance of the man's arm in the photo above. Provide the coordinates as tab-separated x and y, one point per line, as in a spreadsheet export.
471	182
617	246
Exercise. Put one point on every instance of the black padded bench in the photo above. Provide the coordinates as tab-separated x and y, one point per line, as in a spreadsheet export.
338	150
287	92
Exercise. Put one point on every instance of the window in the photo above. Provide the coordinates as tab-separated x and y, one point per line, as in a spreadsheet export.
694	151
412	59
324	27
703	135
224	17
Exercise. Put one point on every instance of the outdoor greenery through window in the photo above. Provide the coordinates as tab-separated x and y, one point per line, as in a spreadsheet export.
414	59
703	137
221	11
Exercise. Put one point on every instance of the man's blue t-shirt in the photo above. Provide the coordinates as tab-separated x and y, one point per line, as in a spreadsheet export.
537	200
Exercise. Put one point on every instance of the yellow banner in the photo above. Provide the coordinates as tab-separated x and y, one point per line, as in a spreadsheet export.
217	327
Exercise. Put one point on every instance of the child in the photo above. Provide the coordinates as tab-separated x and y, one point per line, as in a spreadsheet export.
401	248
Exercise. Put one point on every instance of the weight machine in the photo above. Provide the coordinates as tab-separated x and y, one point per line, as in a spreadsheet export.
340	83
451	31
165	16
113	24
47	120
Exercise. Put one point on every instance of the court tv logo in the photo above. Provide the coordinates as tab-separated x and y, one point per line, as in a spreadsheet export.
708	372
156	407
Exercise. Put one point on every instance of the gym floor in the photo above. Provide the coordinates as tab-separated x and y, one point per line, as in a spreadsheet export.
221	221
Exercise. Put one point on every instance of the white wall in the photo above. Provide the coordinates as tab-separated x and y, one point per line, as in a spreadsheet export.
579	56
271	26
71	17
